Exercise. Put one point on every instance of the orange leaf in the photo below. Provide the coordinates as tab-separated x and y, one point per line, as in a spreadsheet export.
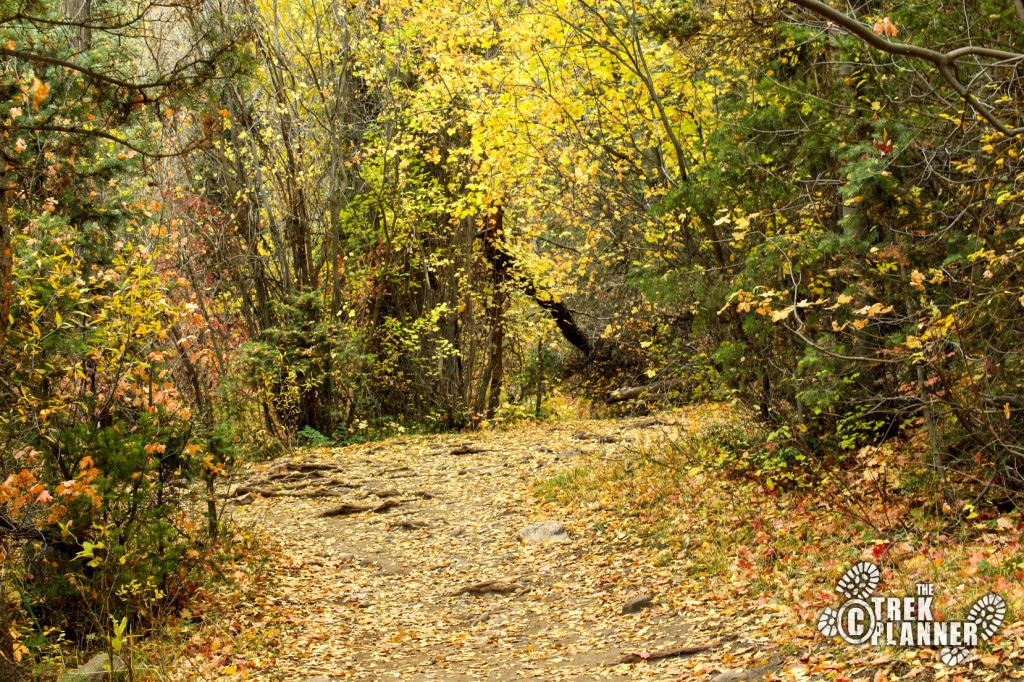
40	91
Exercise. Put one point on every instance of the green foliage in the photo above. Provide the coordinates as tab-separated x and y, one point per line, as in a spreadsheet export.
772	459
314	438
389	223
97	443
309	368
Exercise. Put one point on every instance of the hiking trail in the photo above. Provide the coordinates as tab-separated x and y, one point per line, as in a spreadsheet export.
403	559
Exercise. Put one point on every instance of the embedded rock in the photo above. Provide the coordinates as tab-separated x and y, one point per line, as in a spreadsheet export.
544	532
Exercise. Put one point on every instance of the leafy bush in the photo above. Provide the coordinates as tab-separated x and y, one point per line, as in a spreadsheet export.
746	450
94	484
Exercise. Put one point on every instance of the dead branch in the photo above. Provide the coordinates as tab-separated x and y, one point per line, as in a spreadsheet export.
658	388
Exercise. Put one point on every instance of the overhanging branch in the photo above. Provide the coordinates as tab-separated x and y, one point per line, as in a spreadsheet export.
502	261
71	130
944	62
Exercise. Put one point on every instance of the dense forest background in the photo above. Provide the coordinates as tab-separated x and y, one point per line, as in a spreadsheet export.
230	227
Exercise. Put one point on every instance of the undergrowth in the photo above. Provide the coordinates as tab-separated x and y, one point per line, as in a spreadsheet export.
713	503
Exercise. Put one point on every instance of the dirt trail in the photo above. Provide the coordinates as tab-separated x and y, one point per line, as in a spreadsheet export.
372	595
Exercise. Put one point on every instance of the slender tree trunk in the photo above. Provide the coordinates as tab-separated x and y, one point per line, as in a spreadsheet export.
499	276
480	399
211	506
6	642
929	415
6	268
497	352
205	405
540	376
80	12
335	227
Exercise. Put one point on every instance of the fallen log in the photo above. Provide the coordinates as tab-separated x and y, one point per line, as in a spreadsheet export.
273	492
260	486
659	388
306	466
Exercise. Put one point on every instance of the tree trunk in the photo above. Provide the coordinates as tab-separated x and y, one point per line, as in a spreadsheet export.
499	275
6	268
7	668
80	12
540	377
497	352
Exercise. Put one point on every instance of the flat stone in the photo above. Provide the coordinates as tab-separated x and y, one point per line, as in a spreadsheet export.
497	622
388	567
99	669
544	532
637	604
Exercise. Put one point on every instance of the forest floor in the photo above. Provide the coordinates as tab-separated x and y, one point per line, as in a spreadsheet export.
422	575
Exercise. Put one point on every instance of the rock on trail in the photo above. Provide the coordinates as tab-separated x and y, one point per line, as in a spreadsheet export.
637	604
543	532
